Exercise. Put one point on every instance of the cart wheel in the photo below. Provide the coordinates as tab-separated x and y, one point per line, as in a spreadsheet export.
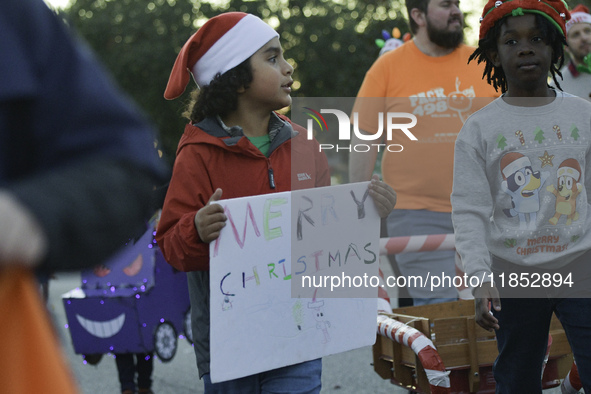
165	341
187	328
92	359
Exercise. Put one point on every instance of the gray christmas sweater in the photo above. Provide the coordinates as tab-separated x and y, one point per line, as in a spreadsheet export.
521	184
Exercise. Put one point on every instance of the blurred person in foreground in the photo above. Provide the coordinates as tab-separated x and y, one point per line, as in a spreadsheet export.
77	172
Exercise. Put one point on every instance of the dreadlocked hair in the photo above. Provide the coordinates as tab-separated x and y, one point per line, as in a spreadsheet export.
495	76
220	97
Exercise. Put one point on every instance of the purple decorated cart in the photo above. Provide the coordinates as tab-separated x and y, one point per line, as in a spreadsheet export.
134	303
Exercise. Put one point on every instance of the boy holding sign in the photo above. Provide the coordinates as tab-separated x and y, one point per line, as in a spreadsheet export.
235	142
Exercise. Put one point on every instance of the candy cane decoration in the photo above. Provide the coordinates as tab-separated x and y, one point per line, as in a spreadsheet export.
425	243
424	349
417	243
519	134
558	132
572	383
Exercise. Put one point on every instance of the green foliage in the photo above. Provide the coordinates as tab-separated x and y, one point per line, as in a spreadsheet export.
510	242
138	41
330	43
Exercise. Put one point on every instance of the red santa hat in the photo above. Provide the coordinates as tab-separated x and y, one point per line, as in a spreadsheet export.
579	14
221	44
554	10
512	162
569	167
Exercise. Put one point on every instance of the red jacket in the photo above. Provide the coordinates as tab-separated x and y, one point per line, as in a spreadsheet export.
207	159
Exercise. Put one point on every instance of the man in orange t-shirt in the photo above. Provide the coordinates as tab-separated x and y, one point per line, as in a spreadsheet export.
429	77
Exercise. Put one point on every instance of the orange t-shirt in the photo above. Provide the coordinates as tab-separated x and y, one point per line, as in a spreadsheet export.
441	92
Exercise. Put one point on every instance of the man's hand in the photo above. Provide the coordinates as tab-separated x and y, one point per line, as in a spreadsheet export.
384	197
483	296
211	219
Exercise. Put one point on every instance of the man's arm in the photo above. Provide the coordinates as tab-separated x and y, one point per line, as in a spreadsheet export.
361	164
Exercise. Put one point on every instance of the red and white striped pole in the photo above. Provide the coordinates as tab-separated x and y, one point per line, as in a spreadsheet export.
424	349
417	243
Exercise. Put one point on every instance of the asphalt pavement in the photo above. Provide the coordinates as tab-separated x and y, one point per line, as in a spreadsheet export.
345	373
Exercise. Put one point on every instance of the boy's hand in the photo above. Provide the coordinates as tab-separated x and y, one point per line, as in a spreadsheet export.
210	219
484	295
384	197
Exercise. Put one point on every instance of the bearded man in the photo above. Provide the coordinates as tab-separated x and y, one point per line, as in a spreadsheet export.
577	73
429	76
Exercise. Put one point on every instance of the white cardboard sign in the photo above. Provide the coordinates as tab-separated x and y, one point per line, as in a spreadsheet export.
262	317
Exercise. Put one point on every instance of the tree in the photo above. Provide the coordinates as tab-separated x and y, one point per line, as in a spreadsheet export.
539	135
330	43
574	132
138	42
501	142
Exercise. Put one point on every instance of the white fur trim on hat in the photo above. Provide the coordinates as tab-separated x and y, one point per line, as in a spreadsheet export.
568	171
235	46
515	165
578	17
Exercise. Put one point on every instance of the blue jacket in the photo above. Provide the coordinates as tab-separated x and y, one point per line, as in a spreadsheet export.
72	148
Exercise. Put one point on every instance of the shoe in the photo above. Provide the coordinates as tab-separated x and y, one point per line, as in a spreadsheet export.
145	391
128	392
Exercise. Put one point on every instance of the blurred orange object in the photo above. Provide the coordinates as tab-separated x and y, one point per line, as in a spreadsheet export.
32	360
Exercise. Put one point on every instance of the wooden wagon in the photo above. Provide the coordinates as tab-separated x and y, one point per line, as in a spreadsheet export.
464	350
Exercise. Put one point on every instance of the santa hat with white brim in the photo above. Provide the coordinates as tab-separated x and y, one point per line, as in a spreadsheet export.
579	14
221	44
513	162
569	167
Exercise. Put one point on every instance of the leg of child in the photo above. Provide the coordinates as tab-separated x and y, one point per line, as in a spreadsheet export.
246	385
126	370
522	339
144	366
574	315
303	378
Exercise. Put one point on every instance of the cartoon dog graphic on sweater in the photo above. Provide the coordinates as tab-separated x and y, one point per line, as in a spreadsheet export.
523	184
566	191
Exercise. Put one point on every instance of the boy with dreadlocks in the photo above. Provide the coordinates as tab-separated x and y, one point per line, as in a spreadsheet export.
521	195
